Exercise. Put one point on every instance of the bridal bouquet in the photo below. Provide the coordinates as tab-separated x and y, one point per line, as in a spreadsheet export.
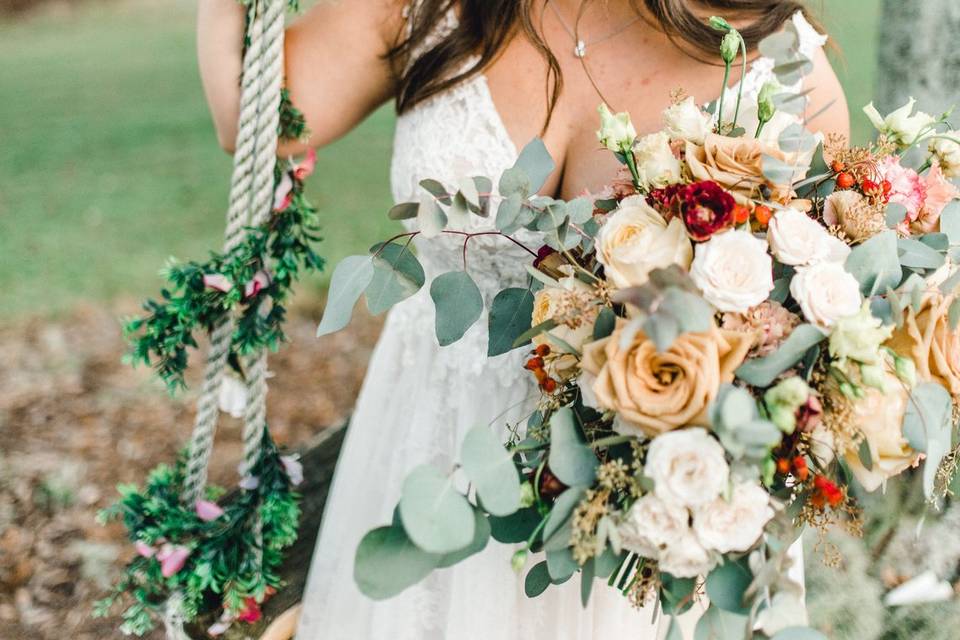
750	326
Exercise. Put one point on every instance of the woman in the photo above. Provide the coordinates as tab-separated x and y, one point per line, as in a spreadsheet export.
474	80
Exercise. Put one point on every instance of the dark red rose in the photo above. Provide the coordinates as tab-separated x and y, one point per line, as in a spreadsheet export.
550	485
667	200
543	253
706	209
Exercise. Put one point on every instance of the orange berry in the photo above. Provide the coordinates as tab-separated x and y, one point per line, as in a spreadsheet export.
534	363
801	469
783	466
549	385
837	166
542	350
740	213
541	375
845	181
763	214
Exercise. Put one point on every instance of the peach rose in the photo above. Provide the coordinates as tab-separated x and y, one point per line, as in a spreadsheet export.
926	337
654	392
879	417
736	164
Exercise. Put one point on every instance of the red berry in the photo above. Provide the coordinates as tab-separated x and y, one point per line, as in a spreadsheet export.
800	467
869	186
886	186
783	466
542	350
837	166
549	385
534	363
845	181
541	375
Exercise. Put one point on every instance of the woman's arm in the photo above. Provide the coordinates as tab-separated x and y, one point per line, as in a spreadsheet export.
335	70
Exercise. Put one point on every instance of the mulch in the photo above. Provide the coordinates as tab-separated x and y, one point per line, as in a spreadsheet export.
75	421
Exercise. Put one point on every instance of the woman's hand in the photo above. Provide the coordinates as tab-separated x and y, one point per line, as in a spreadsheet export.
334	58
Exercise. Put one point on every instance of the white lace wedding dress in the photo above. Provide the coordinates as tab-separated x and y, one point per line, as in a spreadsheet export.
419	400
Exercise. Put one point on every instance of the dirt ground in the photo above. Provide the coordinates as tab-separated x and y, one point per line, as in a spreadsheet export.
75	421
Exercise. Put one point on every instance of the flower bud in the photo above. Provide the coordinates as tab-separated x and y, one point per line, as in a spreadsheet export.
730	46
906	370
518	560
526	495
765	104
719	24
872	375
616	132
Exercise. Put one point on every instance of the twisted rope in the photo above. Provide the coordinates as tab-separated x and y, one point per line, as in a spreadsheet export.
250	204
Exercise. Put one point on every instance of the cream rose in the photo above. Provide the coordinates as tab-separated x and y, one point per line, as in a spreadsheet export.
797	239
653	392
656	163
735	524
687	121
635	239
550	302
879	417
687	466
651	524
733	271
685	557
927	338
825	292
736	164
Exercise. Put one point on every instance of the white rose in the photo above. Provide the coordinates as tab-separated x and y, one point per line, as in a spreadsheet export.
902	126
947	151
635	240
687	467
797	239
825	292
734	525
685	557
651	524
686	121
733	270
546	305
656	163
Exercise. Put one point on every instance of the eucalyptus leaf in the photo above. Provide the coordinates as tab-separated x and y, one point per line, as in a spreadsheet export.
563	506
673	631
692	313
431	219
605	324
919	255
490	468
458	305
727	584
509	318
508	213
927	426
536	163
587	575
571	460
779	172
876	264
761	372
950	221
397	276
387	562
352	275
404	211
561	565
798	633
789	73
516	527
515	181
436	517
481	536
537	580
795	139
436	189
662	329
676	594
894	214
717	624
580	210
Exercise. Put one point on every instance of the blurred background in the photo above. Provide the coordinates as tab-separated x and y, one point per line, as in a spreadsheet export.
108	166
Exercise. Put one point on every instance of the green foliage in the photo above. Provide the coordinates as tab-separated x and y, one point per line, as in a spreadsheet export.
459	305
224	567
436	517
928	426
761	372
491	470
571	460
509	318
282	247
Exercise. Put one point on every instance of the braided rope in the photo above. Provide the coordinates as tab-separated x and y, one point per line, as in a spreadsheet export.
250	204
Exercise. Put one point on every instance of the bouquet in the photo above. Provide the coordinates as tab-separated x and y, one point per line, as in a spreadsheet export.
751	325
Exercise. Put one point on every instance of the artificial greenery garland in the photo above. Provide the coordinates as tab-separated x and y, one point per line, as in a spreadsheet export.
212	557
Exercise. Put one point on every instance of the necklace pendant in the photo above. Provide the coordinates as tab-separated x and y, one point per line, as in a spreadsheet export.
580	50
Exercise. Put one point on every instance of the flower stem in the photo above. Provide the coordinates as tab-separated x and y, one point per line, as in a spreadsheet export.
723	92
632	165
743	74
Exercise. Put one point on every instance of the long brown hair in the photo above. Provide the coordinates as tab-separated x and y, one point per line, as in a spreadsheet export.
486	26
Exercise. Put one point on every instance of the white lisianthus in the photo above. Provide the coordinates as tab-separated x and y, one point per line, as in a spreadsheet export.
687	467
685	557
798	240
616	132
825	292
902	126
635	239
735	524
946	149
233	396
547	304
651	524
657	166
733	270
858	337
687	121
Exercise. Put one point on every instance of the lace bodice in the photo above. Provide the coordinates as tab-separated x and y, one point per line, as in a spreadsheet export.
459	134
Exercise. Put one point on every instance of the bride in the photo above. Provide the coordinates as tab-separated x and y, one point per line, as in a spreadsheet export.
474	81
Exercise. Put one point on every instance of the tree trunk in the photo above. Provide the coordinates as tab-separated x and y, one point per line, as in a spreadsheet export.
919	55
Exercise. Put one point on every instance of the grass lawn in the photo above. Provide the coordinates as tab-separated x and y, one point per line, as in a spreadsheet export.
108	161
